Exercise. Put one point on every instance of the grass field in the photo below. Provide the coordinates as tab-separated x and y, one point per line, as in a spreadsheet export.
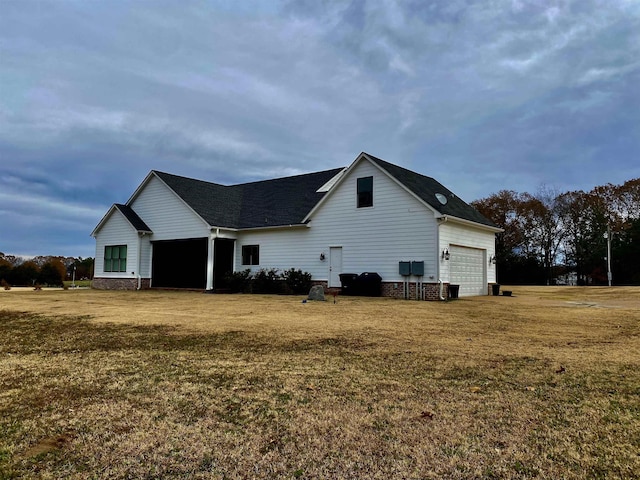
95	384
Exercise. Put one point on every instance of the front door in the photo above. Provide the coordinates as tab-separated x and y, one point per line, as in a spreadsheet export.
335	266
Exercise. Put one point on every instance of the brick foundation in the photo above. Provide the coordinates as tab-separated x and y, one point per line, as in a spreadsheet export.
431	290
323	283
388	289
120	283
396	290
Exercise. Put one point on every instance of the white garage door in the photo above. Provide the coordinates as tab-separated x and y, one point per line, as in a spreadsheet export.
468	271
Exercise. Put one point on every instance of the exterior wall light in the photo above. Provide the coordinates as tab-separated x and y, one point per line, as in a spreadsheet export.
322	257
492	259
445	254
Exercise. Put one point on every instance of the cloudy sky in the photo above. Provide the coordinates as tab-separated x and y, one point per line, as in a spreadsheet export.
481	95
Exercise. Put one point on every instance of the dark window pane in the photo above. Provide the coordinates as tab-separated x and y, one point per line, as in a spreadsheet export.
251	255
365	192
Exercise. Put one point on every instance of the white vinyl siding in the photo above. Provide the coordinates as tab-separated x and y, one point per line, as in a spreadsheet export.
166	214
116	231
397	227
145	257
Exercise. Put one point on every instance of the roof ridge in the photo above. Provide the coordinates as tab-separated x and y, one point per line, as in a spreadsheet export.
321	172
190	178
393	165
290	176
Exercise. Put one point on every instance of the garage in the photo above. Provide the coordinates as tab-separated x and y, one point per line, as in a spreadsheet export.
468	270
179	263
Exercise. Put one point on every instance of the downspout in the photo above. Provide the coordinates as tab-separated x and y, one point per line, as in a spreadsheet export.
438	258
140	235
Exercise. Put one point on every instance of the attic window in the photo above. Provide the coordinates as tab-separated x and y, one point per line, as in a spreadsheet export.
365	192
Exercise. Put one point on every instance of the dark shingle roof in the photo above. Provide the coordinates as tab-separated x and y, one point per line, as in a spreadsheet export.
287	201
426	188
283	201
132	217
218	205
267	203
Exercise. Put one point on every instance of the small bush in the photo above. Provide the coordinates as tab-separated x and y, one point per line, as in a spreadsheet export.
239	282
267	281
4	284
297	281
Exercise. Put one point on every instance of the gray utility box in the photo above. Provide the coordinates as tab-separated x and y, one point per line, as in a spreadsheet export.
417	268
405	268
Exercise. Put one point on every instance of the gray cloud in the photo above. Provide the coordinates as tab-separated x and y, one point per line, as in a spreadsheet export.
480	95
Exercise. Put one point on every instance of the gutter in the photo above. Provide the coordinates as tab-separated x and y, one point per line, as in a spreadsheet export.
470	223
276	227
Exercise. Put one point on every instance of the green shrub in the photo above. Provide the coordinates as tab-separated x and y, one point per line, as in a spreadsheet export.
239	282
267	281
297	282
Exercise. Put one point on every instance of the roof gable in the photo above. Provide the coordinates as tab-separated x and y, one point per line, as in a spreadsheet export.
130	216
423	188
426	189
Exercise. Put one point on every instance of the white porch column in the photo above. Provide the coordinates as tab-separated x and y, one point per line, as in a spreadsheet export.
210	261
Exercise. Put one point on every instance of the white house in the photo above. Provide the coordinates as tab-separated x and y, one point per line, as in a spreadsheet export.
372	216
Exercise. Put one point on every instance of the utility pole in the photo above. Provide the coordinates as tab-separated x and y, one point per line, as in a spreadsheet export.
608	237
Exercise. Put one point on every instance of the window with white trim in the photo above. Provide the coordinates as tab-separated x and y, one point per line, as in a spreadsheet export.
251	255
365	192
115	258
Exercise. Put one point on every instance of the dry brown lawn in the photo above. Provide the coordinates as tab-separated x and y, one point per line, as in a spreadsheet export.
97	384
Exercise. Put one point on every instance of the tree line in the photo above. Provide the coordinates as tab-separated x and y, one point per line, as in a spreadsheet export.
549	237
43	270
562	237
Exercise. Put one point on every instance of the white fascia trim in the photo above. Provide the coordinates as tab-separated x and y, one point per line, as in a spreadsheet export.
347	171
103	221
276	227
108	215
343	175
448	218
143	184
327	186
148	178
397	182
